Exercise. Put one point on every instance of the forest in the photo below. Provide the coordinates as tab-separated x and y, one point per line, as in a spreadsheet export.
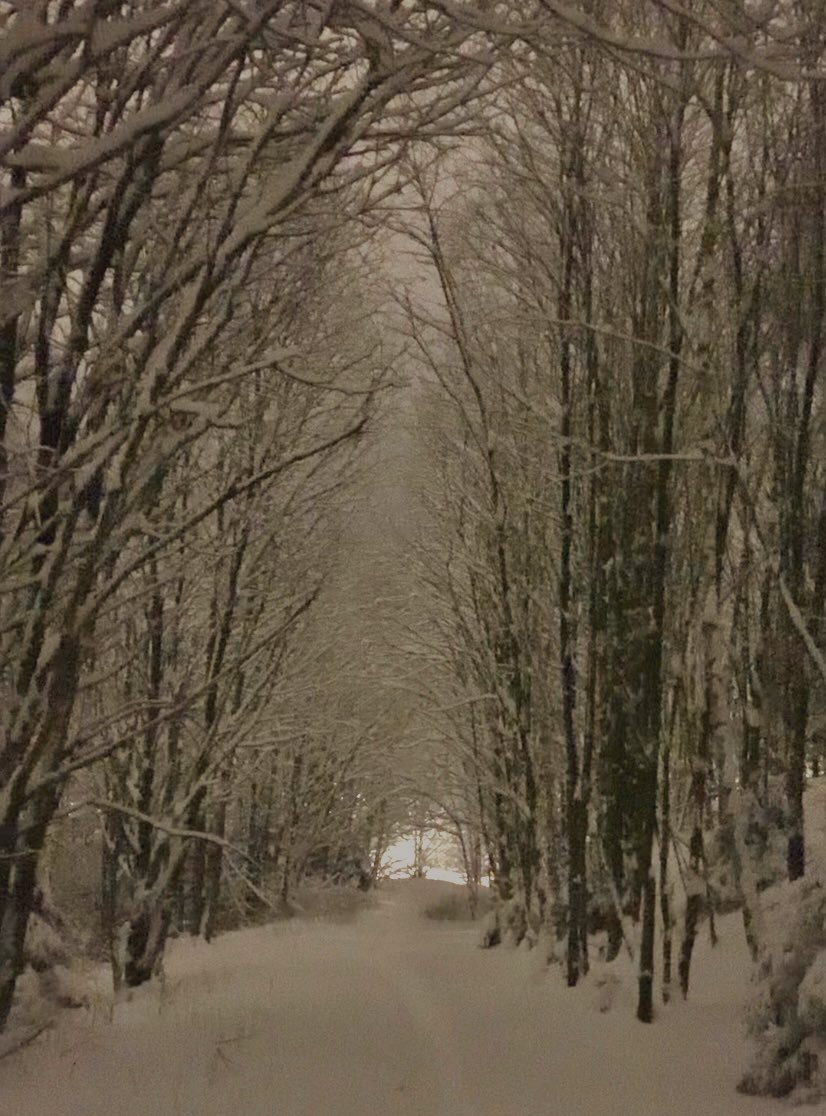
413	417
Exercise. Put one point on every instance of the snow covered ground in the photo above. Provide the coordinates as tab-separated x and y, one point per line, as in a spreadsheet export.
392	1015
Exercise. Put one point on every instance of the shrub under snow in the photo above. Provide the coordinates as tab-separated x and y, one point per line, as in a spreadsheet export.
787	1015
509	923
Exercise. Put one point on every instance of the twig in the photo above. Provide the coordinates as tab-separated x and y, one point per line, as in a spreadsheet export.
27	1040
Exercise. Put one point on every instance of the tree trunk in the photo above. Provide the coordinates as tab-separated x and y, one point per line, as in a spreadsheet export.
214	869
645	1003
145	940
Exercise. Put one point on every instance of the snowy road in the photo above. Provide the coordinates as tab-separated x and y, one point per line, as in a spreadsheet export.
390	1016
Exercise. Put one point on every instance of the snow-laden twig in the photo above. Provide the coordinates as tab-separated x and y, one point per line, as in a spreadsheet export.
16	1044
156	823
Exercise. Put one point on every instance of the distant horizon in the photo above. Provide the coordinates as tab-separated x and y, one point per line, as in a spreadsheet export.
402	854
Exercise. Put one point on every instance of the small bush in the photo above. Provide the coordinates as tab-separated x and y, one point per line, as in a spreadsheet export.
457	907
510	924
787	1015
338	903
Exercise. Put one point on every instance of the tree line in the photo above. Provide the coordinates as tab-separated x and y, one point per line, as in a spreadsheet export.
187	364
622	393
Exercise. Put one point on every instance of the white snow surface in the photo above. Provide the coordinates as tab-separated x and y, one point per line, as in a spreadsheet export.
391	1015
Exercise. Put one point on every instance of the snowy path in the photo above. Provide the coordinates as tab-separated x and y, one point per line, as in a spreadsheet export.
390	1016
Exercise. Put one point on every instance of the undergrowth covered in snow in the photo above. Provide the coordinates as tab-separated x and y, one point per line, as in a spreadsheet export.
787	1012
